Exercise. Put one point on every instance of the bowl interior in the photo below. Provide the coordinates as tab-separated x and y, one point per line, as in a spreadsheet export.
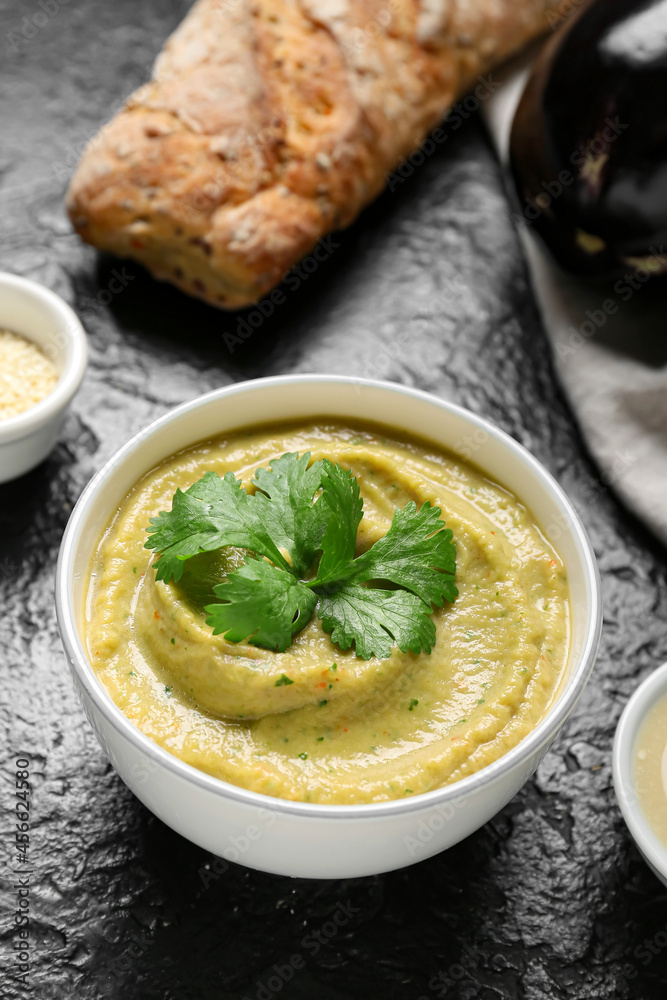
625	748
37	314
277	400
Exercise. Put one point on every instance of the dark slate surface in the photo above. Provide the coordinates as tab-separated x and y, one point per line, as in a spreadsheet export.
548	901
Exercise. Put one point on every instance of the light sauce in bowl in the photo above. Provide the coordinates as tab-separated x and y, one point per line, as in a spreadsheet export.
651	768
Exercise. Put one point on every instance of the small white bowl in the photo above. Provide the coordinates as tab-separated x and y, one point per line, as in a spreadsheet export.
625	750
39	315
301	838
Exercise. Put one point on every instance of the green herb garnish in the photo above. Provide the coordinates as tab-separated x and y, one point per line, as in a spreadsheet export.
300	527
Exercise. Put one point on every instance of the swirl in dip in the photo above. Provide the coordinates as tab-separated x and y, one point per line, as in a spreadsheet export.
346	730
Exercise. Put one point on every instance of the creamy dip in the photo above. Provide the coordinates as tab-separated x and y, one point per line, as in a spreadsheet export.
345	730
651	768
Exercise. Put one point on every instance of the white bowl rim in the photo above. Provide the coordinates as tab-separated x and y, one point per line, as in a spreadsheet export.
543	732
70	378
641	702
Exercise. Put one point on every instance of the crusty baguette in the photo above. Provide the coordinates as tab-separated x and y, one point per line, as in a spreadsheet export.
269	123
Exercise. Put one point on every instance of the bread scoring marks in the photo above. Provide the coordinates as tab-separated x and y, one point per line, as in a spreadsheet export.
432	19
354	34
326	11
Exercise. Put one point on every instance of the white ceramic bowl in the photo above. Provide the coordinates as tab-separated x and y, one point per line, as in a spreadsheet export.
299	838
41	316
625	743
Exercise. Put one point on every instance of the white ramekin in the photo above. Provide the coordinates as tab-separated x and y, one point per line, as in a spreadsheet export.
625	744
300	838
41	316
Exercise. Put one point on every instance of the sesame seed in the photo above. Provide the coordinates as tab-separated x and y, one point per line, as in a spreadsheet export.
26	374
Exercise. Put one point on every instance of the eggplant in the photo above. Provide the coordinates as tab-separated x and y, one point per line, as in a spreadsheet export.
588	146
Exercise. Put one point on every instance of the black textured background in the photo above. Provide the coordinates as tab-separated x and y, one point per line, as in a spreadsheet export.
548	901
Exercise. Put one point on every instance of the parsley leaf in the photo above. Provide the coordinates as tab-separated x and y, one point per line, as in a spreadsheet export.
340	496
301	509
213	512
376	619
285	503
262	602
416	553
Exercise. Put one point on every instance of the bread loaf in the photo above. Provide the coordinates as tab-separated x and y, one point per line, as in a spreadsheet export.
269	123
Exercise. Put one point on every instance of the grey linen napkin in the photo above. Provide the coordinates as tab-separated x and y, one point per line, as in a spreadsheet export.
610	351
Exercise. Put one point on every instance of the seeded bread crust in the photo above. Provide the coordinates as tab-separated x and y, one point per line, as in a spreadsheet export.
268	124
